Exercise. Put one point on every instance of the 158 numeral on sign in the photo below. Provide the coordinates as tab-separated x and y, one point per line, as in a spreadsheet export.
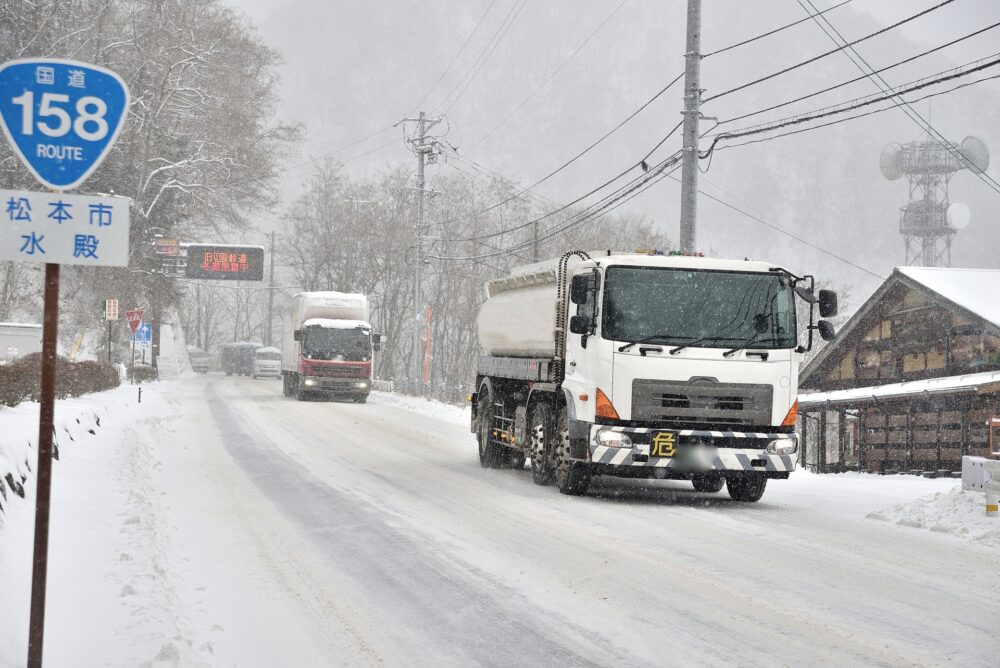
89	123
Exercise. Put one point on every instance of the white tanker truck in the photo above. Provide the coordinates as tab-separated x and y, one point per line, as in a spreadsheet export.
644	365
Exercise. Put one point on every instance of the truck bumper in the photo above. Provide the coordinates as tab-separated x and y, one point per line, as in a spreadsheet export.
326	385
680	453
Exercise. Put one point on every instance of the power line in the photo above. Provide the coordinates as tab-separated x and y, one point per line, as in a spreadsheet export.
827	53
483	58
915	116
453	60
814	116
860	78
771	32
855	117
555	72
910	86
360	155
784	232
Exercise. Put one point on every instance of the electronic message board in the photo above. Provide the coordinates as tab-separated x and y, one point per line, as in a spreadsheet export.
225	263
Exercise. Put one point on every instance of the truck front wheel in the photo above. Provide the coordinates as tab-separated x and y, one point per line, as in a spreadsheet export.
539	443
707	483
572	478
489	452
748	488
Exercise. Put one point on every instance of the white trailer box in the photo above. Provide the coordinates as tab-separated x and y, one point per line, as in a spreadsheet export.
19	339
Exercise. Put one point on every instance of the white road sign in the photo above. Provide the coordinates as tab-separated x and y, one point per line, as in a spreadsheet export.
64	229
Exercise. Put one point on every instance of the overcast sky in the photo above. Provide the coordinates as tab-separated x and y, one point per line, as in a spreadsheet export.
355	67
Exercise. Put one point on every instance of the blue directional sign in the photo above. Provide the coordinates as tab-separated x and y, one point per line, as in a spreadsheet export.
61	116
144	334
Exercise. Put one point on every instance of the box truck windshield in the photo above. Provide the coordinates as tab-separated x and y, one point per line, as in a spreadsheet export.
348	345
716	309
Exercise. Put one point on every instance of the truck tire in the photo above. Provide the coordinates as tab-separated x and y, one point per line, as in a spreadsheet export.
708	483
490	455
748	488
539	446
572	478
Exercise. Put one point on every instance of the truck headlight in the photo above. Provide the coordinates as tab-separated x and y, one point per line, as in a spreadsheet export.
310	382
361	385
782	446
613	439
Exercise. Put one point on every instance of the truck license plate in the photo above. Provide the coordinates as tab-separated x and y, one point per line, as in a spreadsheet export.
663	444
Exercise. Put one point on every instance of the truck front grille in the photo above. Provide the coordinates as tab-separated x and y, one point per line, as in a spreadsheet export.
701	401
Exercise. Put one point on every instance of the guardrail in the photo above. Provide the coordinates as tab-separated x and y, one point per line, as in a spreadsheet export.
983	475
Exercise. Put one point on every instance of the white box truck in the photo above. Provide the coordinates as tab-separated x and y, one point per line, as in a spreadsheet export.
327	346
19	339
644	365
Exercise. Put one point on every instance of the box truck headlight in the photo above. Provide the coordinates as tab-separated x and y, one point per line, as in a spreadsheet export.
782	446
310	382
361	385
613	439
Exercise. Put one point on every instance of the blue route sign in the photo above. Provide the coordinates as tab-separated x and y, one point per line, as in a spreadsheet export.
61	116
144	334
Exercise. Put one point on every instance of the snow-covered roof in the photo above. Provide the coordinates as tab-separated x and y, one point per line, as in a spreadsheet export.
967	382
22	325
977	290
326	323
268	349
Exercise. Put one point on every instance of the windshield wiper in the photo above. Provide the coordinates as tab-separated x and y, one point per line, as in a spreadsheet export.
648	339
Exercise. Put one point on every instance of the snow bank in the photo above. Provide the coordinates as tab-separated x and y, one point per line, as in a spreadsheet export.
960	514
435	409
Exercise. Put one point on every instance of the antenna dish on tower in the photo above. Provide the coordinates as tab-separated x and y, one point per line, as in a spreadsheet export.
975	152
888	162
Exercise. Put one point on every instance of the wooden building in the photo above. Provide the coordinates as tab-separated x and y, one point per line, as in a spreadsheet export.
912	382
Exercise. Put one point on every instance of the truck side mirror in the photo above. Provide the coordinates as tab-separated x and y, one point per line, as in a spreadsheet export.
827	303
297	335
826	330
579	324
376	342
581	287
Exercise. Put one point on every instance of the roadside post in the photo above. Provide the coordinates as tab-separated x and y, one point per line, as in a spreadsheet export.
110	314
61	118
134	320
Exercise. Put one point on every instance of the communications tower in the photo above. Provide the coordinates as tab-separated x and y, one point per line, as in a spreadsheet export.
930	220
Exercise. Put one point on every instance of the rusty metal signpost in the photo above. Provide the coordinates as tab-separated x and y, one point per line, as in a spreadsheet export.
61	118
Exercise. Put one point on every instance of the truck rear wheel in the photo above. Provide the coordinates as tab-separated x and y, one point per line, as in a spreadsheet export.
490	455
572	478
707	483
540	450
748	488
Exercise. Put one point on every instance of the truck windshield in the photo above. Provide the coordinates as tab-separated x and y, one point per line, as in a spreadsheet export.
269	356
714	308
344	345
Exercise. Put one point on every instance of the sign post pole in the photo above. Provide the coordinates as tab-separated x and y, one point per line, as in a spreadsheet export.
39	569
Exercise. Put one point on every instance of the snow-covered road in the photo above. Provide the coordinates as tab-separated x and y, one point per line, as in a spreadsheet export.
272	532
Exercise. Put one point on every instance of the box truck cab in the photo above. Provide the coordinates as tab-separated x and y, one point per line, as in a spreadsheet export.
328	345
627	364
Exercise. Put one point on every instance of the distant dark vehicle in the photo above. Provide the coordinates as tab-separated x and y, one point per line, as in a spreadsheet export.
238	357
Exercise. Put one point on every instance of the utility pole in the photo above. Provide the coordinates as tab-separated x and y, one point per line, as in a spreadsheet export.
425	151
534	245
692	102
270	294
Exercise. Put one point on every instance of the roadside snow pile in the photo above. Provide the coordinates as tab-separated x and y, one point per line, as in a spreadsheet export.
961	514
435	409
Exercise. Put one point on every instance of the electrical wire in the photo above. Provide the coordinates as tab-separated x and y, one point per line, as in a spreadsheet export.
826	53
483	58
914	115
815	116
770	32
856	116
555	72
862	77
784	232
